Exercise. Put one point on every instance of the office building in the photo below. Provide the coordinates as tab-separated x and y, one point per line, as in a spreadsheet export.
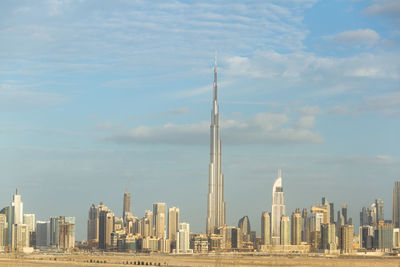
364	220
296	228
159	219
173	223
93	226
3	232
383	236
396	205
182	239
344	213
245	229
106	227
366	236
285	231
379	210
216	205
126	209
346	238
265	228
328	236
278	210
42	234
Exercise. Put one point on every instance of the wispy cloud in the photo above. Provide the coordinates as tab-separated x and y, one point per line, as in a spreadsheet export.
15	95
356	37
263	128
384	8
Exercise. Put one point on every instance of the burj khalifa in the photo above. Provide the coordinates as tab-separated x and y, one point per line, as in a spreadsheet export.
216	203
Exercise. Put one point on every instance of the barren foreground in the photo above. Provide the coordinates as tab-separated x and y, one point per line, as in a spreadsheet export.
191	260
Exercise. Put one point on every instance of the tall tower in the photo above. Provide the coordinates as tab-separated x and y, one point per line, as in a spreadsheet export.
396	205
216	204
265	229
278	210
159	219
173	223
127	204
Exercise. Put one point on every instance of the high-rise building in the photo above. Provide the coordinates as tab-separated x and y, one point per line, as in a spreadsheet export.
29	220
383	236
216	207
54	230
66	235
265	228
304	226
379	210
18	234
339	222
3	231
106	227
147	224
372	214
93	226
126	205
244	225
17	208
344	213
328	236
285	230
396	205
182	238
296	228
42	234
173	223
332	213
364	217
159	219
366	236
278	209
346	238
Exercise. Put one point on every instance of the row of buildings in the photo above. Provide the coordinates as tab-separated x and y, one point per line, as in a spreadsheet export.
20	233
157	230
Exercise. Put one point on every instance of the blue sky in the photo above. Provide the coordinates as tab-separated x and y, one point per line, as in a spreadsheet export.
97	96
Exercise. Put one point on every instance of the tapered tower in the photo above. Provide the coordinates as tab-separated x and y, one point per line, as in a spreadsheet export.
216	203
278	210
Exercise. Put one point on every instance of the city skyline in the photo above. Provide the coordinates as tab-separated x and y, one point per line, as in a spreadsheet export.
98	98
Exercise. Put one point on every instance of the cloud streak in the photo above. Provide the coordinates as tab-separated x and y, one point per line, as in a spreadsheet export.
262	128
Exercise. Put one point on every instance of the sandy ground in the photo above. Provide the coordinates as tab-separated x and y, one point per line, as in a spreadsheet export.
192	260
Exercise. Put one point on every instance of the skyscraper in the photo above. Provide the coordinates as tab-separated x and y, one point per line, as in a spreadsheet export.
379	210
296	228
182	238
216	204
278	209
265	229
396	205
344	213
42	234
285	230
106	226
159	219
173	223
244	225
93	226
127	205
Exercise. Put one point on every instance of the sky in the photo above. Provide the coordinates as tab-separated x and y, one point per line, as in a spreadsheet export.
97	97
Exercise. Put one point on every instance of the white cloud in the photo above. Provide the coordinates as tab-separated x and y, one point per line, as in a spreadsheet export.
356	37
384	7
262	128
